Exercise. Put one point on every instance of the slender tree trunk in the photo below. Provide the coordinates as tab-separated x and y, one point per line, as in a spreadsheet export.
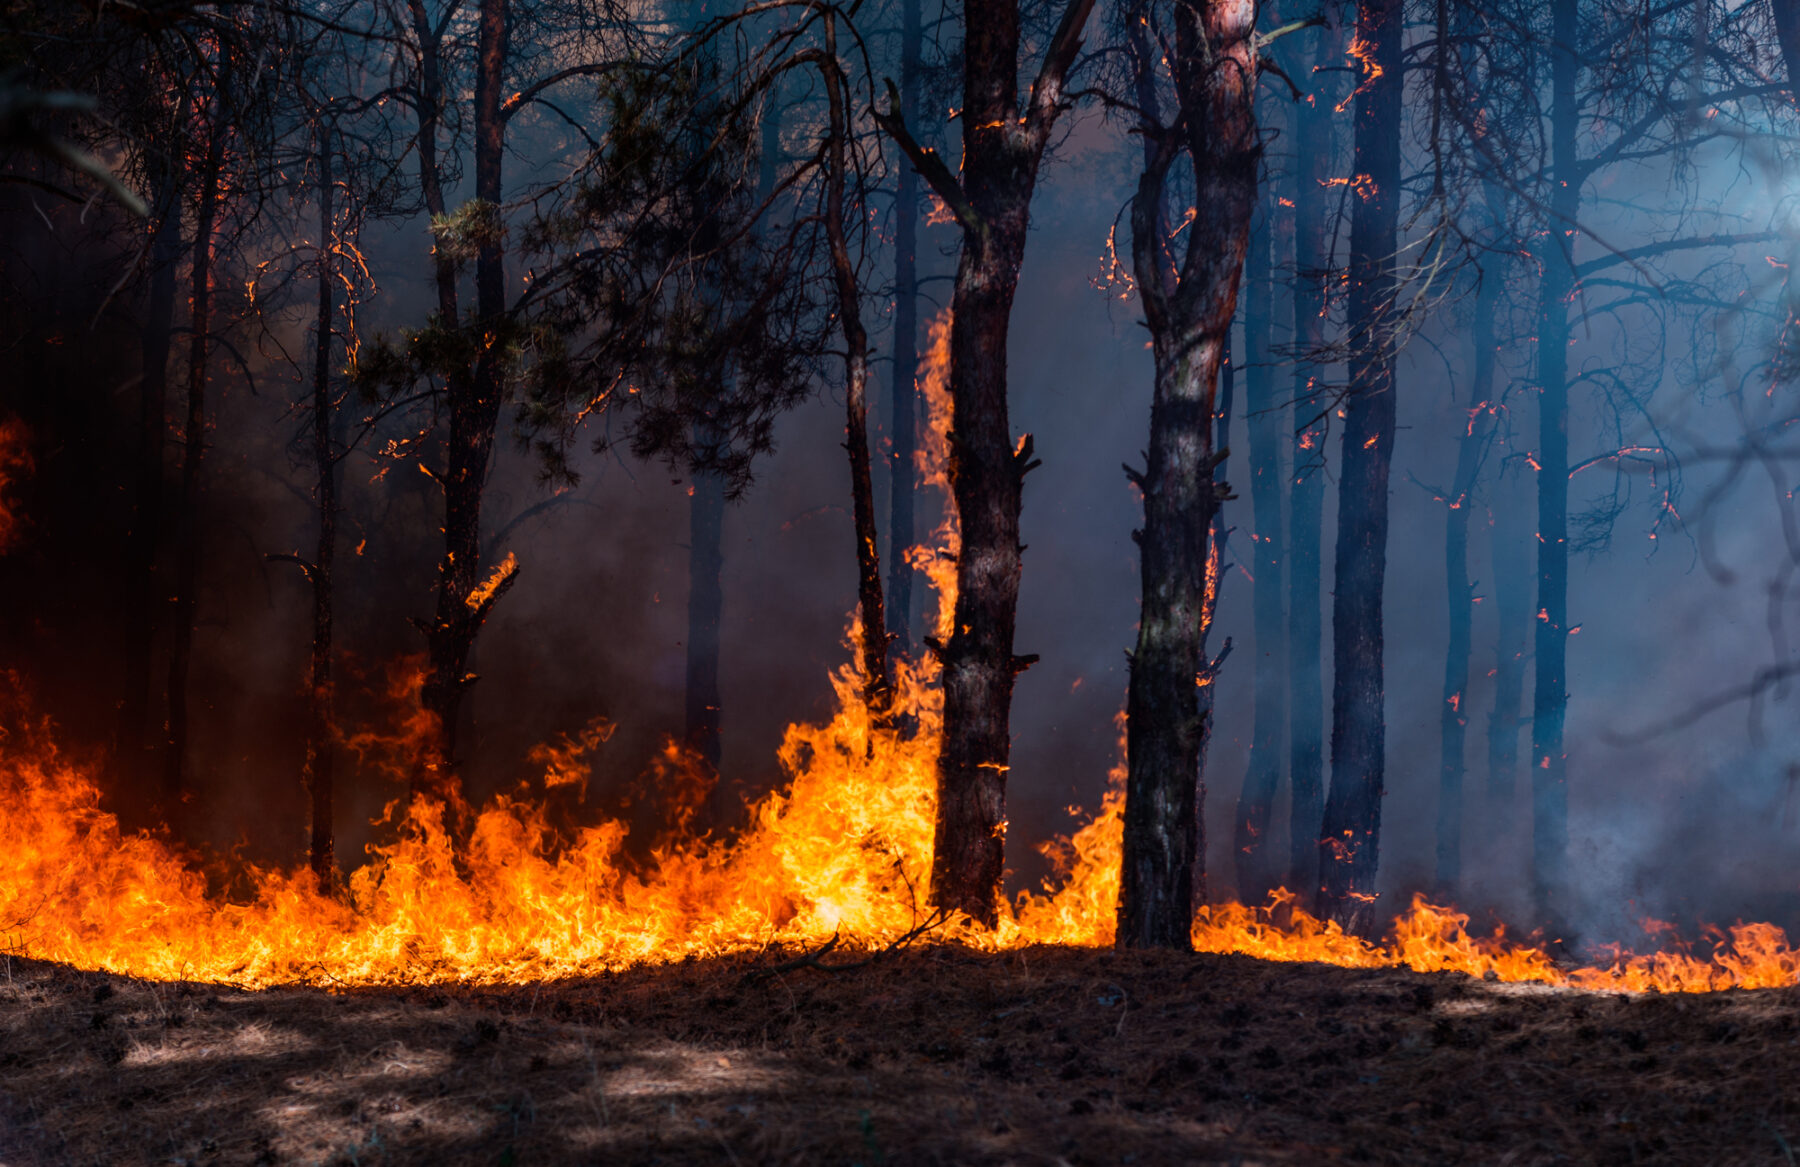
877	689
903	421
1316	153
1267	418
1001	153
1510	535
142	599
706	605
430	112
321	724
1351	835
464	598
1170	696
187	546
1459	596
1549	790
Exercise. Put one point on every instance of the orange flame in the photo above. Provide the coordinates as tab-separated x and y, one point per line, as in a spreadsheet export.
842	849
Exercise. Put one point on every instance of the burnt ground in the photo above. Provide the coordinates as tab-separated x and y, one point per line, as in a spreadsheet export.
938	1055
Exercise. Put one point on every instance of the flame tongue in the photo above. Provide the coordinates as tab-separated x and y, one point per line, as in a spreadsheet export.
843	850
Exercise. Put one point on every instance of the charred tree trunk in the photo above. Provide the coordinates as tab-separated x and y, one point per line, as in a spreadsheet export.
187	539
1459	597
1509	536
903	420
1316	150
464	598
321	732
877	689
992	203
1351	834
1170	696
1549	702
706	606
1266	415
142	597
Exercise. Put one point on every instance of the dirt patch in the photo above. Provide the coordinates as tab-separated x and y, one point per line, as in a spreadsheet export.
935	1056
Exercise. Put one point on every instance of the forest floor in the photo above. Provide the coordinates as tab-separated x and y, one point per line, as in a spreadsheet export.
937	1055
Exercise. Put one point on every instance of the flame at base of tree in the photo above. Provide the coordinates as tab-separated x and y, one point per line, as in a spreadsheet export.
843	850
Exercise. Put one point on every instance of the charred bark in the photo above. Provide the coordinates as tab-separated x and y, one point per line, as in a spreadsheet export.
1351	833
1266	414
1509	536
1459	597
877	688
1170	696
1316	152
992	203
187	537
464	598
1549	700
321	732
903	418
142	599
706	606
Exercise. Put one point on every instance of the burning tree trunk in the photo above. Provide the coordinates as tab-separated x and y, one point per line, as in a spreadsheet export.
903	419
464	598
1267	418
1189	312
992	204
187	543
1351	833
1315	150
141	597
1549	701
876	686
321	726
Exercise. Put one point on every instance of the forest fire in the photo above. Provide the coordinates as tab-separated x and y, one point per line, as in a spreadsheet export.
842	851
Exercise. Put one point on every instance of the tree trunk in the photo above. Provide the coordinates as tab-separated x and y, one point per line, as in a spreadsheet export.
1266	414
1549	790
706	604
464	598
187	544
1001	154
321	734
142	598
1316	152
1459	595
1170	696
1351	836
877	689
903	420
1509	536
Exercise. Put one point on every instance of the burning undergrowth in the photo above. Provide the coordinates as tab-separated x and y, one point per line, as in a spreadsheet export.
516	892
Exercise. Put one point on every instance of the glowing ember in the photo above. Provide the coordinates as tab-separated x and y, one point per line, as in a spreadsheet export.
844	849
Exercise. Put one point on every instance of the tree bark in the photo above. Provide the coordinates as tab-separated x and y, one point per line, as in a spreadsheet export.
903	419
1509	535
877	689
1351	835
1459	594
142	598
1170	696
1267	419
321	724
1316	150
187	541
1549	702
464	598
992	202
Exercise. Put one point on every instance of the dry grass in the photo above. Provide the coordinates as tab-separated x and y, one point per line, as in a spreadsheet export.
935	1056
